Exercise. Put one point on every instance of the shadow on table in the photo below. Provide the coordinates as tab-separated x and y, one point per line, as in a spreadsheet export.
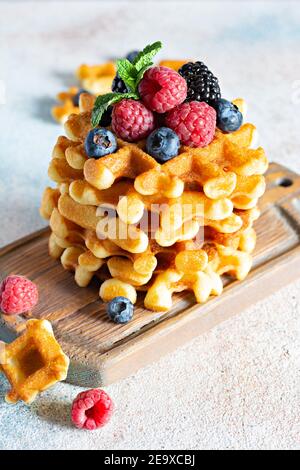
42	105
67	79
41	109
53	411
4	387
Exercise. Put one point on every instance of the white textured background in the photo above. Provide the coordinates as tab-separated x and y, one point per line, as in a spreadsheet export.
237	387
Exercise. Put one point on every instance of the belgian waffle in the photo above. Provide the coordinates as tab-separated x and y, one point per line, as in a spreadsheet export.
220	184
143	263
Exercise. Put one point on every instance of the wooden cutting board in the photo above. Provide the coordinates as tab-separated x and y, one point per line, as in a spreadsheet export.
102	352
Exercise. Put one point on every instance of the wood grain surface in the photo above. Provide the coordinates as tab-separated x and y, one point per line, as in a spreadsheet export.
102	352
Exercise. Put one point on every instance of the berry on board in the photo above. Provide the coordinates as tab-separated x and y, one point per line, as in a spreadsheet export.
17	295
193	122
131	120
163	144
100	142
161	89
92	409
120	309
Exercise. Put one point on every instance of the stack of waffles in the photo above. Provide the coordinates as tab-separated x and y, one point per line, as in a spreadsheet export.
136	224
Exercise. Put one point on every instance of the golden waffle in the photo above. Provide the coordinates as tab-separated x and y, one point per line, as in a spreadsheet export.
33	362
173	64
68	219
62	111
244	185
125	279
189	266
130	237
227	167
203	282
98	210
96	79
197	270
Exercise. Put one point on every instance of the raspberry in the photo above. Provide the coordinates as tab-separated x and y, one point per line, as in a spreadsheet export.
17	295
162	89
132	121
194	122
92	409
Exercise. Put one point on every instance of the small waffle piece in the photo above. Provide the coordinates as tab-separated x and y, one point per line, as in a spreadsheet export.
33	362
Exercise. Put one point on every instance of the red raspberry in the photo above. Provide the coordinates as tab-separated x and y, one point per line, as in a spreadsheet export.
92	409
162	89
193	122
132	121
17	295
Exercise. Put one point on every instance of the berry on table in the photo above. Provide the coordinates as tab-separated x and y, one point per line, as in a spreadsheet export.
76	97
163	144
120	309
17	295
193	122
131	120
161	89
92	409
229	117
202	85
100	142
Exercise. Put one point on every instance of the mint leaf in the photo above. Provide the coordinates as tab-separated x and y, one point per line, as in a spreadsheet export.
146	55
128	73
101	105
141	73
104	101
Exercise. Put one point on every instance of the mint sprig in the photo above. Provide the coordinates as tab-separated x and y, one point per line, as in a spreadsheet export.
144	58
131	74
128	73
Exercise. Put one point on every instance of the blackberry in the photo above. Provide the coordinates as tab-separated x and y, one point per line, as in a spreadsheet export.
118	86
202	84
106	117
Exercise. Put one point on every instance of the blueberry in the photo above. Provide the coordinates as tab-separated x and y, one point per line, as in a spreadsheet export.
132	55
120	309
229	118
163	144
100	142
75	98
